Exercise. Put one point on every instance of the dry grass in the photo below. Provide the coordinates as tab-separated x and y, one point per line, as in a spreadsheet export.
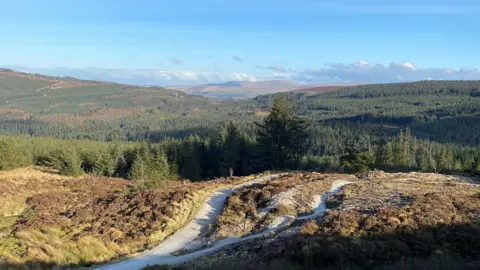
404	221
309	228
262	113
19	184
78	221
291	193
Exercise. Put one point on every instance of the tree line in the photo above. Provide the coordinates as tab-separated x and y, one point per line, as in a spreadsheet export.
281	142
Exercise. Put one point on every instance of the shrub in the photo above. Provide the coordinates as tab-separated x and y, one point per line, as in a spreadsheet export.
12	156
105	165
283	210
309	228
67	162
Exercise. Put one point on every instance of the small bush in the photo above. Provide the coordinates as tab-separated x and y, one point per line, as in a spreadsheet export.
283	210
12	156
67	162
309	228
234	202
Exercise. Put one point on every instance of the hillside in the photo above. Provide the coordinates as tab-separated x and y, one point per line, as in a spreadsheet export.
109	196
67	107
444	111
48	219
24	94
381	221
58	222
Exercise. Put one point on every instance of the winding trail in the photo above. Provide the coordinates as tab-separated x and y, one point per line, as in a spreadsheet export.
207	215
161	254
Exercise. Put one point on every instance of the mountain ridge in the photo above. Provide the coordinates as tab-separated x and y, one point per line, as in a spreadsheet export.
251	89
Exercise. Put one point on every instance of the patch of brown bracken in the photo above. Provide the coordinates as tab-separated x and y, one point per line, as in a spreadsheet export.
385	221
60	218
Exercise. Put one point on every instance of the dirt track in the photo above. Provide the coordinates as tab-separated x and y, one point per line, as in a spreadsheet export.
207	215
162	253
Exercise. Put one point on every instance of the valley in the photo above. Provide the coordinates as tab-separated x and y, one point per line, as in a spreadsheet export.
108	176
239	135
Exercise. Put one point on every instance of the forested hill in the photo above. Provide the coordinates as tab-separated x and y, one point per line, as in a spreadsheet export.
25	94
447	111
430	126
444	111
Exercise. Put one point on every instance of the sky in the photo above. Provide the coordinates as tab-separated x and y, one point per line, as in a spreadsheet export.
205	41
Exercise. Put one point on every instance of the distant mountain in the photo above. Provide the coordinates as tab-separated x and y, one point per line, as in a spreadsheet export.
249	89
238	89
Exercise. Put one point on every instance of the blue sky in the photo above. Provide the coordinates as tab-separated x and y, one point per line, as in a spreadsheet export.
198	41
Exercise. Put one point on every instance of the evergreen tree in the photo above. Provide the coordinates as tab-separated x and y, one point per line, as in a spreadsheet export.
190	162
457	166
445	159
424	160
389	154
354	160
139	168
118	156
105	165
232	150
281	136
159	168
66	161
12	157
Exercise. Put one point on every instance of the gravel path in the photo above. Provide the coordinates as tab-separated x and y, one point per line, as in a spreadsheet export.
207	215
162	253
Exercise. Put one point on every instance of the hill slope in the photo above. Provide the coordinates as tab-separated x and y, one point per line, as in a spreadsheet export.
369	221
445	111
382	221
34	93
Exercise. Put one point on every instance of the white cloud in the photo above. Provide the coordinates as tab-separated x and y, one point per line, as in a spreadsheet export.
363	71
143	76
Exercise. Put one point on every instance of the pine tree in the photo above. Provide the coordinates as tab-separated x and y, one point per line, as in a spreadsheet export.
282	136
66	161
139	168
158	167
120	162
457	166
105	165
190	161
232	150
389	154
398	149
12	157
424	160
445	159
384	153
